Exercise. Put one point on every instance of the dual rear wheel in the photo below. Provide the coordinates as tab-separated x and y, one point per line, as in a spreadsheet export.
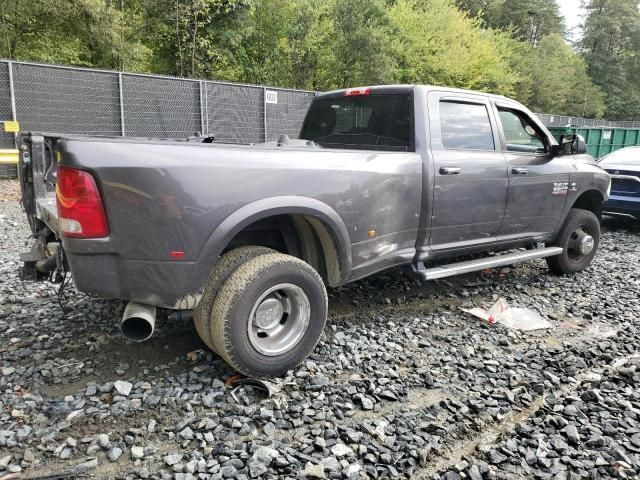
262	311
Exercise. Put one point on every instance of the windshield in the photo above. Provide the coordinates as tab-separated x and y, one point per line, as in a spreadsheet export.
365	122
625	156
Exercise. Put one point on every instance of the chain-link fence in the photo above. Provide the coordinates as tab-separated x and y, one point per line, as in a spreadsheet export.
563	121
50	98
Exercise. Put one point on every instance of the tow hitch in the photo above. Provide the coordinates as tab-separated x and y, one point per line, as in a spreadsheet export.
43	262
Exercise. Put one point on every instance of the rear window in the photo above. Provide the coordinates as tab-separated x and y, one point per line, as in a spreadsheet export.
366	122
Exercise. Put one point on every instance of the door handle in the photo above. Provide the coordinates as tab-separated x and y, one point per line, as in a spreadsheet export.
450	170
519	170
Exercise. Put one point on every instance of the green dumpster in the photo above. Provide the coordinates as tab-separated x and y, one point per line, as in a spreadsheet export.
601	140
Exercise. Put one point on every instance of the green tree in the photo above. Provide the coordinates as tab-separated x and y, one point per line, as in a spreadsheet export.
77	32
531	20
528	20
436	44
359	49
610	45
553	79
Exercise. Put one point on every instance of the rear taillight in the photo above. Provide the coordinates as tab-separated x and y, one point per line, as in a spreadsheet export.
80	210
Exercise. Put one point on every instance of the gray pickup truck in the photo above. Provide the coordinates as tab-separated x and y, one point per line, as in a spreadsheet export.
443	181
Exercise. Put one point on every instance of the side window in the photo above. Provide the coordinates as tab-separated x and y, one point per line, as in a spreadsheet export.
520	133
466	126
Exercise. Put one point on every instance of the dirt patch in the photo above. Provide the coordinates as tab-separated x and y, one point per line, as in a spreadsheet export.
9	190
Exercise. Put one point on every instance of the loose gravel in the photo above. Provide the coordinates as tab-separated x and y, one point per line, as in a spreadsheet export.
402	384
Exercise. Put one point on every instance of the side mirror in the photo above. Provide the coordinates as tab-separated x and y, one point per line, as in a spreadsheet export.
579	145
572	145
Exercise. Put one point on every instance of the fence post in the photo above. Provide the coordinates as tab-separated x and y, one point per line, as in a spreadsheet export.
12	94
202	127
264	111
122	130
206	107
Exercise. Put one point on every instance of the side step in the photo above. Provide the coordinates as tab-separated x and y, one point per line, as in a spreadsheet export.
483	263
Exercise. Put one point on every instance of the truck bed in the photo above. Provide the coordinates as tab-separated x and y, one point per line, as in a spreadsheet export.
169	199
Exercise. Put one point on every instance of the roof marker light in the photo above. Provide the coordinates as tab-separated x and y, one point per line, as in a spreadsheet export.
354	92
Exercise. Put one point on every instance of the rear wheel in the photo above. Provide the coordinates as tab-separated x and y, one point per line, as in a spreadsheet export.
580	238
269	315
227	264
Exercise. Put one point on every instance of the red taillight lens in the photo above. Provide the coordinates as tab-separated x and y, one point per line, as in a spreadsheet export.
80	210
354	92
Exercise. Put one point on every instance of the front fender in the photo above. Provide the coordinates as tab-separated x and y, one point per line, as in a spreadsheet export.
585	179
268	207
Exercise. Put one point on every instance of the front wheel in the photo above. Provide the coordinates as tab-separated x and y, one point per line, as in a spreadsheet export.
579	238
269	315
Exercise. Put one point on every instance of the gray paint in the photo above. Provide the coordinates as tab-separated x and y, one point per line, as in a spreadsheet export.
163	196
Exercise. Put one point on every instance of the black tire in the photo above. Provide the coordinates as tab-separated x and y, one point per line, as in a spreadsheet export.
227	264
577	224
239	297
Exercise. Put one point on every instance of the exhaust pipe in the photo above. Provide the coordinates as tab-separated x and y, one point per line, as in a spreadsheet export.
138	321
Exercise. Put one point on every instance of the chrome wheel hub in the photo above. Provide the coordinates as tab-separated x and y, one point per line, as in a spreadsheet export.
586	245
279	319
581	243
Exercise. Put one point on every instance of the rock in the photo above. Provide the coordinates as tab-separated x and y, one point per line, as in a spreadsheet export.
597	441
137	452
28	456
320	380
496	457
572	434
570	410
451	476
114	454
172	458
229	471
353	470
341	450
313	471
103	441
122	387
66	453
265	455
331	464
474	473
4	461
367	403
257	469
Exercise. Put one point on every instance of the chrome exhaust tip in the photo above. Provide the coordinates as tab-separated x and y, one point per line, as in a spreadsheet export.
138	321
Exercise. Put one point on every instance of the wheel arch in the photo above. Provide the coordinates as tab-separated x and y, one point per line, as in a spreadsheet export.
591	200
322	219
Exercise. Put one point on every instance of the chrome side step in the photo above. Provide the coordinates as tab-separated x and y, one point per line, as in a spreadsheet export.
482	263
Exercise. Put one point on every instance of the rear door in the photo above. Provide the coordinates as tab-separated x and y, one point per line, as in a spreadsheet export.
470	181
538	186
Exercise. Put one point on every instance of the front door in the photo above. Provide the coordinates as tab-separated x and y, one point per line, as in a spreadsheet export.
470	172
538	186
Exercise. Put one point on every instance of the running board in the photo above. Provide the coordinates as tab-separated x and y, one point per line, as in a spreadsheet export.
483	263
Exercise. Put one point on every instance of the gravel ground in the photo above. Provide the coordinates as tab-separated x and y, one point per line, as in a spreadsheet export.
402	384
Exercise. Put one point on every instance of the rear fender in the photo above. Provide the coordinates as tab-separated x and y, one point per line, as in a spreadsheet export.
264	208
